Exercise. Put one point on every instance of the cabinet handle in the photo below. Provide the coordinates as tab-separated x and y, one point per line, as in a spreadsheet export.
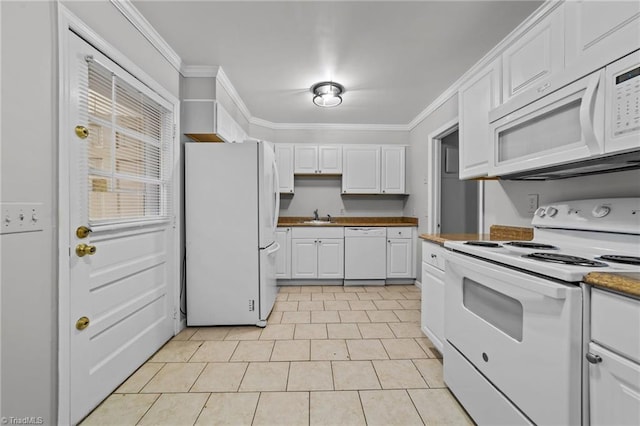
389	241
291	190
319	241
383	191
593	358
543	87
433	256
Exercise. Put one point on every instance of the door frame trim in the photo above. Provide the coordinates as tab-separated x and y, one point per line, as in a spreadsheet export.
68	21
434	142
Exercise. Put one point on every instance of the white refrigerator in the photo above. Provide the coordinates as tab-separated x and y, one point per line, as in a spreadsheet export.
231	213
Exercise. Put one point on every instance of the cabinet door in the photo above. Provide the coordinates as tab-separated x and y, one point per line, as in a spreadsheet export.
306	159
284	160
599	32
399	258
476	98
361	169
304	258
393	169
433	304
283	256
614	389
331	258
330	159
535	56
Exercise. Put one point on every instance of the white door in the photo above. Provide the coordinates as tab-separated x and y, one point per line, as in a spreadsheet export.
361	169
399	258
306	159
331	258
283	256
284	159
330	159
304	258
119	309
393	169
476	98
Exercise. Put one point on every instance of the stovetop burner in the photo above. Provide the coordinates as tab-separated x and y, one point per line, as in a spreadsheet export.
531	245
564	259
630	260
482	244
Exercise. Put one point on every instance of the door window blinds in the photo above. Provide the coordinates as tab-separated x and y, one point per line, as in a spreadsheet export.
128	156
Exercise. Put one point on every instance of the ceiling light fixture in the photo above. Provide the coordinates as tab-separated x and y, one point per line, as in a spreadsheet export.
327	94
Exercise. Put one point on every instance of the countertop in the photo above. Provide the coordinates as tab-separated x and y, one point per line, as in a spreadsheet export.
497	233
623	282
350	221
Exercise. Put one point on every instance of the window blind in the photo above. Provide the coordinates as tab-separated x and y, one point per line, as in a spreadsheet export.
128	155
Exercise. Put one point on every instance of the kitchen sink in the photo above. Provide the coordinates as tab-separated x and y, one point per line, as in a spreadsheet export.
317	222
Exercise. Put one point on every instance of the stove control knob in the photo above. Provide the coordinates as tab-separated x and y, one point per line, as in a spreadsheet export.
601	211
540	212
551	211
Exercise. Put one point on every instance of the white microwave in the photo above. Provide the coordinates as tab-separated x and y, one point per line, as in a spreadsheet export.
595	116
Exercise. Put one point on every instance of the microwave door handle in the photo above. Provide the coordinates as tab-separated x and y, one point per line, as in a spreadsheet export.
587	112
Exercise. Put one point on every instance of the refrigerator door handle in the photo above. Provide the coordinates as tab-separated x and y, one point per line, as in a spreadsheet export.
276	213
273	248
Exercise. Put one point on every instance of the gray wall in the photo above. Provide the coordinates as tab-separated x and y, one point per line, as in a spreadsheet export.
324	193
506	201
29	174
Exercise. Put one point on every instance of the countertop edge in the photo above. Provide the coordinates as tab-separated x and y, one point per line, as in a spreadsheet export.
616	282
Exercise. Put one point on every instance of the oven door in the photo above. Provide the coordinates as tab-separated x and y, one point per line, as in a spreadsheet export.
522	332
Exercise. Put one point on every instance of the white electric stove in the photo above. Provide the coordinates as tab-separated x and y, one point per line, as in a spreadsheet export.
514	310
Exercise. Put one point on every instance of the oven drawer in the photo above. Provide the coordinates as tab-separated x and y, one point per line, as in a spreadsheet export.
482	401
517	329
615	322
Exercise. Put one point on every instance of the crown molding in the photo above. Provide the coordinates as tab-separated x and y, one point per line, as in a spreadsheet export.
145	28
233	94
199	71
545	9
329	126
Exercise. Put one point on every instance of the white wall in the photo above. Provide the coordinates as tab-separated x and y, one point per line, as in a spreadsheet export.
506	201
29	174
325	193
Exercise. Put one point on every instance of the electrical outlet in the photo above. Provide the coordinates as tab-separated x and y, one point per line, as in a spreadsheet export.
532	203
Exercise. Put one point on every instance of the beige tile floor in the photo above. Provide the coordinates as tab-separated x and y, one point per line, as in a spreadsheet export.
328	356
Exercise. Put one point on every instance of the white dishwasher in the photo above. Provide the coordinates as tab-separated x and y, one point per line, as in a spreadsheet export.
365	255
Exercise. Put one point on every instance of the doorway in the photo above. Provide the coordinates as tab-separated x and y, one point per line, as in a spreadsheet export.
454	206
458	198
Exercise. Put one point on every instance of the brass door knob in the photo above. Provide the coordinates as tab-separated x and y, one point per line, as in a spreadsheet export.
85	249
82	323
82	132
82	232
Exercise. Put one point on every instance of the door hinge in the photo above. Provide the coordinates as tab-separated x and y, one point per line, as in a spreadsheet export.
252	305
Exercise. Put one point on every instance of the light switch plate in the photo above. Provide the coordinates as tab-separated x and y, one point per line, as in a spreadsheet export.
21	217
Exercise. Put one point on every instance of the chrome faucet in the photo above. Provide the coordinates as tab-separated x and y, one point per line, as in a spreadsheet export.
315	215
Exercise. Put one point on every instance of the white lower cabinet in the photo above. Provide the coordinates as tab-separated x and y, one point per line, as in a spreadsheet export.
614	359
400	261
283	256
317	253
433	293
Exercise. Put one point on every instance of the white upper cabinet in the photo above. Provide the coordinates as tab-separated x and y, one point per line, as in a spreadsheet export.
393	169
330	159
314	159
533	58
599	32
361	169
206	120
284	160
476	97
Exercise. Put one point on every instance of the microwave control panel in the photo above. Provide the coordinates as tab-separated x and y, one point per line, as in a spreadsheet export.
626	102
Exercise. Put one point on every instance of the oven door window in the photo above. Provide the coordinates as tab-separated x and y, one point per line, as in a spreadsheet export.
503	312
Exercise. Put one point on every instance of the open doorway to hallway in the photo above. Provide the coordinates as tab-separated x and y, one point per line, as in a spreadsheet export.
458	198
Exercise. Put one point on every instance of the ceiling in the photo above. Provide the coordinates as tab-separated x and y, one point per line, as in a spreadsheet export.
393	57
